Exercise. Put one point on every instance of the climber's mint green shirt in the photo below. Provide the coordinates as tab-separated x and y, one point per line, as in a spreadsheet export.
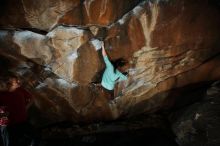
109	76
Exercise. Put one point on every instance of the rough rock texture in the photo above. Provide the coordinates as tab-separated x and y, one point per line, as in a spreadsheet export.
198	124
46	14
168	44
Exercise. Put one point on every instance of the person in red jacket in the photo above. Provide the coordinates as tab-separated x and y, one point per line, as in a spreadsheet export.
17	100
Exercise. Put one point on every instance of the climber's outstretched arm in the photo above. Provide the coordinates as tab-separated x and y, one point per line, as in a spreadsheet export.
105	57
103	50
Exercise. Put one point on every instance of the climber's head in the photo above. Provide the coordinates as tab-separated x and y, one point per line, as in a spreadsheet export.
120	64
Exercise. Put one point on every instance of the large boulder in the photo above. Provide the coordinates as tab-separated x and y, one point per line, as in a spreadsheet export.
168	45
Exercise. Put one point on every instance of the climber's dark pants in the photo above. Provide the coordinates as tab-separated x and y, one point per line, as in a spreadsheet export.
109	93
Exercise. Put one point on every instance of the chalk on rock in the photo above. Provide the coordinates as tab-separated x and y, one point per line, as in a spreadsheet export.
97	44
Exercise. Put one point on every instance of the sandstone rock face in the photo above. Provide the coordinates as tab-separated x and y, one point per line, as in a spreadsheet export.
46	14
168	45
